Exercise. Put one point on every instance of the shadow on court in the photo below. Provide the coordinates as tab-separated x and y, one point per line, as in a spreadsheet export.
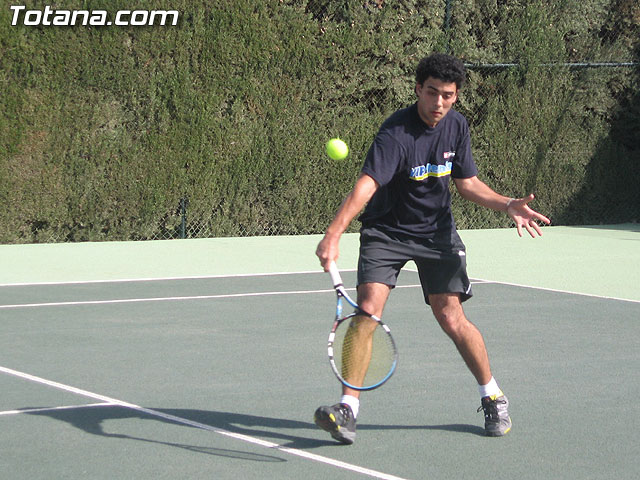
93	419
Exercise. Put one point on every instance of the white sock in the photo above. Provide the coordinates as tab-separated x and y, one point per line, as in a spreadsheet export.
353	402
490	389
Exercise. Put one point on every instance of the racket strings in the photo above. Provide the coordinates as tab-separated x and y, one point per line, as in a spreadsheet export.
364	352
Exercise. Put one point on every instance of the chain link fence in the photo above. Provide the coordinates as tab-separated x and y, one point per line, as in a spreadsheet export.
549	81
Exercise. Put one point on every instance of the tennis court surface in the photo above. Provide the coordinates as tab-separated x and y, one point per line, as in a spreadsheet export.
207	358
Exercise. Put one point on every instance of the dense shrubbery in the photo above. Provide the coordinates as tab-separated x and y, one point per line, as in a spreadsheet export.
104	130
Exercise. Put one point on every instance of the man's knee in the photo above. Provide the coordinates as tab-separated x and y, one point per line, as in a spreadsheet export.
448	312
372	297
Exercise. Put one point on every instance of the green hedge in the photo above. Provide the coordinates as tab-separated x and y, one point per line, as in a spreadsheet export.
104	129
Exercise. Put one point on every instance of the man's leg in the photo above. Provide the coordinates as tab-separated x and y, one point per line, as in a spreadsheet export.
371	298
467	338
447	309
340	419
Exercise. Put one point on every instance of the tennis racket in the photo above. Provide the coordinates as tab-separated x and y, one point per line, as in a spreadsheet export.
361	349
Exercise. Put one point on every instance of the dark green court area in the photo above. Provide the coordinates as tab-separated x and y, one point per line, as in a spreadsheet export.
219	378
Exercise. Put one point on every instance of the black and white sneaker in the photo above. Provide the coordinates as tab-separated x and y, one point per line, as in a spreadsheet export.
339	421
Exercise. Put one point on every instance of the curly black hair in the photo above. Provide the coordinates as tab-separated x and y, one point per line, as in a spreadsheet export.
443	67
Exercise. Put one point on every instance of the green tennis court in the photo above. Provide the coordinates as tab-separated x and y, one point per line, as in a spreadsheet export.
207	358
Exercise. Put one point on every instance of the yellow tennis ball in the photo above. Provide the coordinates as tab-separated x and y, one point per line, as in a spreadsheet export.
337	149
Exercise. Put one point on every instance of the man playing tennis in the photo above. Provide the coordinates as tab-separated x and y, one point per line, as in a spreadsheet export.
404	184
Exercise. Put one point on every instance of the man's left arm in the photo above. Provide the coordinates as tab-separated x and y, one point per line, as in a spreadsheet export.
477	191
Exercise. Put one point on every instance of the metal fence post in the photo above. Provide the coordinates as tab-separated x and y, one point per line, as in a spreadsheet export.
184	203
447	24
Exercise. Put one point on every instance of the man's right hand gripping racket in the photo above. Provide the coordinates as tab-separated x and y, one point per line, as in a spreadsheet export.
361	349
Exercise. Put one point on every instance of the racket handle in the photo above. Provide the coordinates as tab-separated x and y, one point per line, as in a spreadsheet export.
335	274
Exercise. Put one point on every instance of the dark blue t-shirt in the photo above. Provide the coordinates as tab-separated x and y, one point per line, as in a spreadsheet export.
412	163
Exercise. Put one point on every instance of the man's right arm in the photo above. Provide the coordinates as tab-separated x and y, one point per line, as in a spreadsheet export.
363	190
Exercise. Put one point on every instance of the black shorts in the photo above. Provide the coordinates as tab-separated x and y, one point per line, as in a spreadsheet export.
442	268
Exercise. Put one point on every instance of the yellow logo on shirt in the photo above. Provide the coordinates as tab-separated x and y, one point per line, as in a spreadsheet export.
423	172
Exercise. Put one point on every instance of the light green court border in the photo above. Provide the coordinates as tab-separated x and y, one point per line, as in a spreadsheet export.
599	260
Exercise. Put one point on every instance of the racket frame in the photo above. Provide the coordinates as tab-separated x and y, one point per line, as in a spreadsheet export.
341	295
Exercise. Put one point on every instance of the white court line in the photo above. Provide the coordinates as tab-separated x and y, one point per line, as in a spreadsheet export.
241	275
191	423
163	299
167	299
555	290
54	409
478	281
289	292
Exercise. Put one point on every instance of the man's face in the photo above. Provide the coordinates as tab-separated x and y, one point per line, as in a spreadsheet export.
435	99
